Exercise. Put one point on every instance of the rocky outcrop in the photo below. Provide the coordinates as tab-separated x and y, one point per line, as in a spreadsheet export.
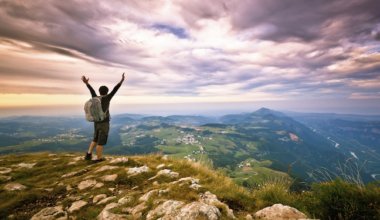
106	214
192	182
165	172
279	212
106	200
99	197
106	167
50	213
211	199
168	210
14	187
137	170
26	165
77	206
198	210
119	160
5	170
86	184
75	173
109	178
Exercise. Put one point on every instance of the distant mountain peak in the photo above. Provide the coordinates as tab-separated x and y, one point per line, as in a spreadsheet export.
264	111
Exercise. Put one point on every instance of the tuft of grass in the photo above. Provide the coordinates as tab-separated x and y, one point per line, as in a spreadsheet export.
339	199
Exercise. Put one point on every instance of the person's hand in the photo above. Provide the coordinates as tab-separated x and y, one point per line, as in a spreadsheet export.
85	81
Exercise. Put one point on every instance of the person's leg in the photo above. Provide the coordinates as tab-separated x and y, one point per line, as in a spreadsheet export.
102	139
91	147
93	143
99	152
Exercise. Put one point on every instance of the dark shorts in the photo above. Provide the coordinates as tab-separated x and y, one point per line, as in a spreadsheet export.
101	130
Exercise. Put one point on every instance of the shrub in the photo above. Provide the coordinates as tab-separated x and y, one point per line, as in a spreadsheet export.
342	200
272	192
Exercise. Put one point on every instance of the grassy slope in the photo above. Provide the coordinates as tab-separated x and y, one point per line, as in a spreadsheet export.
46	175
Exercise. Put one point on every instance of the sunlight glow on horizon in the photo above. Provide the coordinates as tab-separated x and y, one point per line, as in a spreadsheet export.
192	52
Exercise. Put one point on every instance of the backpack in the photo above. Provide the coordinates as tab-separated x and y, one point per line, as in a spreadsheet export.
93	110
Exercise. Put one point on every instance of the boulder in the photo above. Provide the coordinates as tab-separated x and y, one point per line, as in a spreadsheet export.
106	200
168	210
105	214
280	212
160	166
193	182
167	173
198	210
125	200
119	160
148	195
137	210
4	178
104	168
86	184
99	197
77	206
109	178
138	170
99	185
14	187
211	199
74	173
26	165
50	213
5	170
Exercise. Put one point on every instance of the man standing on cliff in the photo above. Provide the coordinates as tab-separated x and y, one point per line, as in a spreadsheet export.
101	128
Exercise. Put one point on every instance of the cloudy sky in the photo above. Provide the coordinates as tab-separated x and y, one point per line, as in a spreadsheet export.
193	56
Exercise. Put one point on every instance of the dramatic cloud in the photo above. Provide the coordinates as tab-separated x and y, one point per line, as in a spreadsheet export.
217	50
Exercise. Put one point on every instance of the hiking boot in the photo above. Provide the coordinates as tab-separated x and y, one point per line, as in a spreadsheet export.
99	160
88	156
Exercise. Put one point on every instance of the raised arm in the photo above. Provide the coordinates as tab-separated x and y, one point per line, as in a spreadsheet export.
85	81
114	90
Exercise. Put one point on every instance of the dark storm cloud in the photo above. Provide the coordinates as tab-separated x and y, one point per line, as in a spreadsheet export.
306	20
75	25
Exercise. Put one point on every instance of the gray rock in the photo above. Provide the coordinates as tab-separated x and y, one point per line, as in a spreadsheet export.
105	214
99	197
75	173
106	200
148	195
77	206
26	165
137	210
4	178
105	167
86	184
167	173
138	170
109	178
196	210
69	188
193	182
5	170
99	185
168	210
119	160
14	187
280	212
125	200
50	213
248	217
160	166
211	199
